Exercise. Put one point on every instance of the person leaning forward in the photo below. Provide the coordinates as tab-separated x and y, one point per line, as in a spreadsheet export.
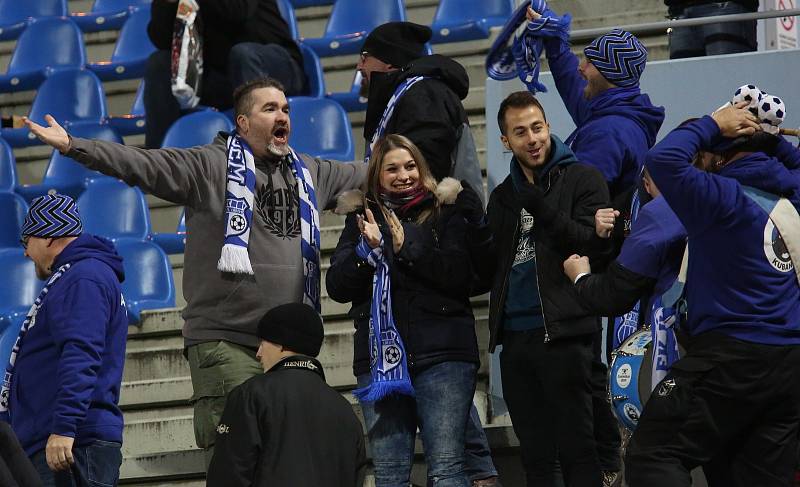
287	426
223	308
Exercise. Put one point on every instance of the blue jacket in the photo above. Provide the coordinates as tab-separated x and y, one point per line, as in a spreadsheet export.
655	245
732	286
615	129
68	373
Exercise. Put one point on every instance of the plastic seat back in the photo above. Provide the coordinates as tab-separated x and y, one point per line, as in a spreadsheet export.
198	128
112	209
350	16
461	20
70	95
8	167
12	214
315	79
20	271
50	42
13	11
148	277
320	127
133	42
287	12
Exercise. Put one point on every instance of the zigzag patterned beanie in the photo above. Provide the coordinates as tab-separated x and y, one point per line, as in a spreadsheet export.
52	215
619	56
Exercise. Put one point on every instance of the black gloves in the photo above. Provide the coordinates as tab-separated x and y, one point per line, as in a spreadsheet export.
469	204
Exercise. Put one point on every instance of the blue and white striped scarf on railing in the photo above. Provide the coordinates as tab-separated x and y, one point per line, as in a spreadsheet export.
389	110
30	322
239	196
388	366
512	55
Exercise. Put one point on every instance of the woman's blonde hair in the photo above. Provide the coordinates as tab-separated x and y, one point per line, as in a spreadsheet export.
372	184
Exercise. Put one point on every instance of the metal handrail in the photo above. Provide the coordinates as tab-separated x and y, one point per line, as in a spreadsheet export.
661	27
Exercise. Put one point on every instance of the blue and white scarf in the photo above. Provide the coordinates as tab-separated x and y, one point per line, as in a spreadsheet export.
401	90
665	343
512	55
627	324
239	196
388	366
30	322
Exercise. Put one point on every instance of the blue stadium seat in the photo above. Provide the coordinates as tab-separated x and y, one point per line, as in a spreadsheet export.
311	3
131	51
466	20
173	243
134	122
16	300
70	95
287	12
315	79
48	43
320	127
8	167
148	277
9	331
14	14
197	128
351	100
112	209
64	175
107	14
12	214
351	21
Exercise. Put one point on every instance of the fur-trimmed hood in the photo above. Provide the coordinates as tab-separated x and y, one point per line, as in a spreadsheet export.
446	192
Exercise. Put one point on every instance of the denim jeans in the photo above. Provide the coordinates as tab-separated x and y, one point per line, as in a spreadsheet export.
440	408
246	61
96	465
478	458
712	39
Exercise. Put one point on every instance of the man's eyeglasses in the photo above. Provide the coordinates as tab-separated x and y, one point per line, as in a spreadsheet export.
364	55
24	241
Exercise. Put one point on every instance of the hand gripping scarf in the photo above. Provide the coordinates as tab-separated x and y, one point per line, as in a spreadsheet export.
388	366
239	195
512	55
30	322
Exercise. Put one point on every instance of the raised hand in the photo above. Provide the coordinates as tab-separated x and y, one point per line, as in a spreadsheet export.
604	221
370	230
398	235
736	120
54	135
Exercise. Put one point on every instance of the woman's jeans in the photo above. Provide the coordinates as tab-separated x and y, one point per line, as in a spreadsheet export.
440	408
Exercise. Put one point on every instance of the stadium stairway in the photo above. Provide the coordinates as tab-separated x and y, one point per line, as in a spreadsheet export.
159	446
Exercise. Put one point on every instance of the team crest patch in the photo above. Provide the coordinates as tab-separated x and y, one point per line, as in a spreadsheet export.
775	249
237	223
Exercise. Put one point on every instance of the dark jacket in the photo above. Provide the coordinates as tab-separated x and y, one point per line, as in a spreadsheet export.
225	23
431	277
69	368
430	113
676	6
288	427
563	203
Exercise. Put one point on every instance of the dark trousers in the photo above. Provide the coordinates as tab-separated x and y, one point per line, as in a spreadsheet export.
247	61
729	405
548	390
96	465
712	39
606	426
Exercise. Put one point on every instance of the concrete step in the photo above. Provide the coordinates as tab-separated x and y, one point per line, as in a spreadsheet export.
187	467
157	372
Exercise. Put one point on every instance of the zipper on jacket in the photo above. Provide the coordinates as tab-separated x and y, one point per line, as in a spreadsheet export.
539	289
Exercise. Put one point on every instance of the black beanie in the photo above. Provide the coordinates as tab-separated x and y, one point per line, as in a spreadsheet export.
397	43
295	326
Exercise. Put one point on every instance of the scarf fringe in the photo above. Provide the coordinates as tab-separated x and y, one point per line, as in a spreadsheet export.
235	259
380	390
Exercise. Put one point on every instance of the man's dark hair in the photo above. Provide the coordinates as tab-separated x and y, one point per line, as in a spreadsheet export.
242	99
518	99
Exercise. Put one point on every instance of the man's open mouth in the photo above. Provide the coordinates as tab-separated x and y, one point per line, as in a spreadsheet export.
280	134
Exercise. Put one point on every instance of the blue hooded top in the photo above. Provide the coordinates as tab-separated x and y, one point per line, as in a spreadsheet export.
740	280
69	369
615	129
655	245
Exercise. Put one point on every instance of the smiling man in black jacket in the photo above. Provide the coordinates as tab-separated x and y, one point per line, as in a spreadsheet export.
538	216
287	426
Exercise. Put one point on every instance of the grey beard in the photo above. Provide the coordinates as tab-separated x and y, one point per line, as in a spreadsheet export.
278	151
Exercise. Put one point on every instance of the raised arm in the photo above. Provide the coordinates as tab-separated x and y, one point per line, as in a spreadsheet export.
182	176
335	178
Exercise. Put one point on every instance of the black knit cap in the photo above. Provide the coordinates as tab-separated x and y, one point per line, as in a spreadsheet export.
397	43
295	326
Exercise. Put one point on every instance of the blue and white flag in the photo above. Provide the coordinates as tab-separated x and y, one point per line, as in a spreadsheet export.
388	366
664	341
